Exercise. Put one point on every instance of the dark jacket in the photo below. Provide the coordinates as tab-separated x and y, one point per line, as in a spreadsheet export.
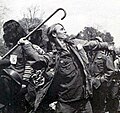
71	75
25	53
101	66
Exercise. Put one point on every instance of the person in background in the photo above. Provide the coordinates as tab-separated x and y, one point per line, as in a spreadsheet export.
101	68
14	34
38	38
113	92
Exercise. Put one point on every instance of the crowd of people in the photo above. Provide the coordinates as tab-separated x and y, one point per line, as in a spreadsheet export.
75	77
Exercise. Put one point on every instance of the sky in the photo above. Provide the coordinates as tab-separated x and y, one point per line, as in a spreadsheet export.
101	14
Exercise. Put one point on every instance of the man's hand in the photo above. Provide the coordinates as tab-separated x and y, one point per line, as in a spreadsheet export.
111	46
0	57
23	41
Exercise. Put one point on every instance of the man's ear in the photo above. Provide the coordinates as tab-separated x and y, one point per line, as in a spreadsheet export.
54	34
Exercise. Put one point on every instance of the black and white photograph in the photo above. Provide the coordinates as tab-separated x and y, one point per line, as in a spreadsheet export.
59	56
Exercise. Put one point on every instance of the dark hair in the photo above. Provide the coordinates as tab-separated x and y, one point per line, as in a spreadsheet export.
36	37
13	32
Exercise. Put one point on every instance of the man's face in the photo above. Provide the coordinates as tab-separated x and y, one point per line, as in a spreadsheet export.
60	32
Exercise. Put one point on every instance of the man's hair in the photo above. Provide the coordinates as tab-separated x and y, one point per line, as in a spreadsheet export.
13	31
52	30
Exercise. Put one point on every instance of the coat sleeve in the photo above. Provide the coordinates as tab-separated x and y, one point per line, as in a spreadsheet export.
110	69
32	53
95	45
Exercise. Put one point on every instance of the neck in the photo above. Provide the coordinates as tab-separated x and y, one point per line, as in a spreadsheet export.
60	44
